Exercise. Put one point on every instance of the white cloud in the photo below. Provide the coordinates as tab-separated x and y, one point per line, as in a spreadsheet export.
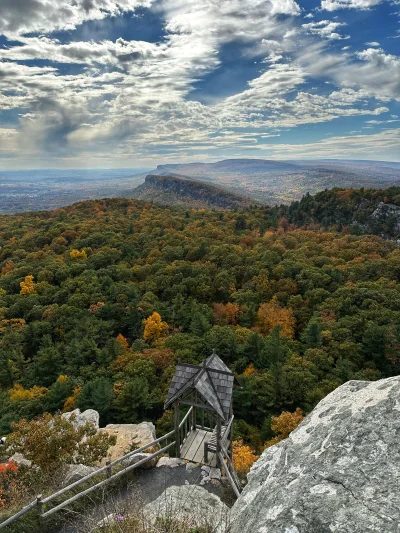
134	98
325	28
19	17
333	5
382	145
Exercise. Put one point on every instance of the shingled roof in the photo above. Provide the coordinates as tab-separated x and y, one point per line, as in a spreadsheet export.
213	380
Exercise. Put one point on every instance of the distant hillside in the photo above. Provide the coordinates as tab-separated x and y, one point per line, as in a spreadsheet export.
281	182
169	190
364	211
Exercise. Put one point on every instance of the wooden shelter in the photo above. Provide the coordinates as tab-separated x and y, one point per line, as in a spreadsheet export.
207	429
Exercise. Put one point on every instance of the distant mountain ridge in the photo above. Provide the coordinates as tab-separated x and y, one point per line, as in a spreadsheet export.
264	181
171	190
281	182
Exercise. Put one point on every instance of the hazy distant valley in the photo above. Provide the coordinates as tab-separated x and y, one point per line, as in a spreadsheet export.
35	190
269	182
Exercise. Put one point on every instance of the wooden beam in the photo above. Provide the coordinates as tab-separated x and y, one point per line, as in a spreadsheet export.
195	404
218	436
177	430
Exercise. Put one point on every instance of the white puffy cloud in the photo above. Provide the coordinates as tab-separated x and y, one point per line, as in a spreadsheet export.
325	28
135	97
19	17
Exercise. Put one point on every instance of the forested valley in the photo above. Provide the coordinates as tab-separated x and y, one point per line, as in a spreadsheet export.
99	300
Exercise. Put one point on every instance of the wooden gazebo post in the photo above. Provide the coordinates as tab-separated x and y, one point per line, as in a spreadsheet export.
177	430
218	435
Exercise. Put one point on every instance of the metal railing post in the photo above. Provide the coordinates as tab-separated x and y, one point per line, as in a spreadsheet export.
39	505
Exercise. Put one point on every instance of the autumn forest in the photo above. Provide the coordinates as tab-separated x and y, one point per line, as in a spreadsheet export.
99	300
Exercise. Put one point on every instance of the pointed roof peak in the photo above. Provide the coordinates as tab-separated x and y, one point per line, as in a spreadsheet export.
212	379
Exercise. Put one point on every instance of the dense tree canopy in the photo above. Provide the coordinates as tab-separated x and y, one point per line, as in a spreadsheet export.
100	299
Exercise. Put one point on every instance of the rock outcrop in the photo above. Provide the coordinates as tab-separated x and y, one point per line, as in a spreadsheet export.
18	459
80	419
388	211
77	472
191	505
129	437
172	190
339	471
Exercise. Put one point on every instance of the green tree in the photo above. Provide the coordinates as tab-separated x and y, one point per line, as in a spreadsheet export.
97	394
132	401
311	336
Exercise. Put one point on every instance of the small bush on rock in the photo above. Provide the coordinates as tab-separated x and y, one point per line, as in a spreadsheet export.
50	442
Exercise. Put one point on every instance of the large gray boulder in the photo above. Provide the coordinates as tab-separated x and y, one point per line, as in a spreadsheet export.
77	472
339	471
129	437
190	505
80	419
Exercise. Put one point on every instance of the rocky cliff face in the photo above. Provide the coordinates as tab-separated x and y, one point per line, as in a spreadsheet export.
388	211
170	190
339	471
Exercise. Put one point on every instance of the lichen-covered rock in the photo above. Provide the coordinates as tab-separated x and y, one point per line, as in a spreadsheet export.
77	472
191	505
80	419
137	457
20	460
170	462
339	471
388	210
129	436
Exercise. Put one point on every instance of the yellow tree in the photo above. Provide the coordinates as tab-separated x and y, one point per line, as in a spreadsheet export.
284	424
154	328
28	285
243	456
271	314
76	254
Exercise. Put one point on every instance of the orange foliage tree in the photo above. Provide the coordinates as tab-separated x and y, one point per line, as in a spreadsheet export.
8	483
226	313
154	328
161	357
8	267
271	314
284	424
243	456
70	402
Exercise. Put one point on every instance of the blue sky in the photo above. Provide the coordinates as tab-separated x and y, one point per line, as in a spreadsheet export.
129	83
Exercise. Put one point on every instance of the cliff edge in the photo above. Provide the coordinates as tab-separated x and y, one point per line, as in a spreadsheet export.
170	190
339	471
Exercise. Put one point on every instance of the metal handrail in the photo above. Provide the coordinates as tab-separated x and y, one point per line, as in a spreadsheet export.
105	468
105	481
185	417
20	513
234	486
39	502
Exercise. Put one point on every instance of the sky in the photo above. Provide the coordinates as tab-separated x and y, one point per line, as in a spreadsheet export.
136	83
